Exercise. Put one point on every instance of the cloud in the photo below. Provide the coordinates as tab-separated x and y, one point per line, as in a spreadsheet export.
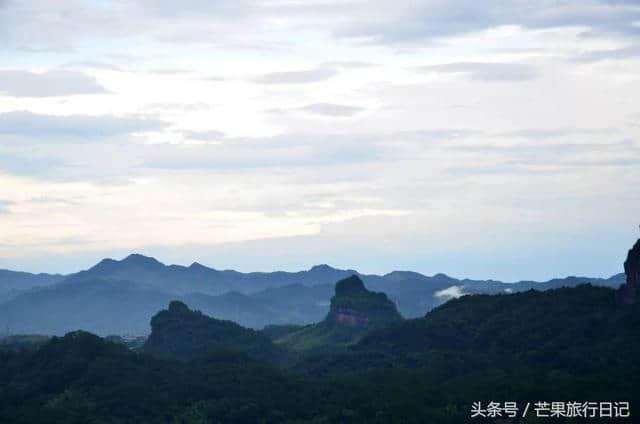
18	83
170	71
204	135
350	64
546	133
297	77
323	109
28	164
288	151
331	109
625	53
45	24
72	128
452	292
505	162
218	8
93	64
494	72
407	22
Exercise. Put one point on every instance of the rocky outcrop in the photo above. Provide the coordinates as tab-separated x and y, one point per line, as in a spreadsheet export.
180	333
354	312
628	293
355	306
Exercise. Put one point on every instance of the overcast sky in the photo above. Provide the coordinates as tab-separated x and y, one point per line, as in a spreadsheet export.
451	136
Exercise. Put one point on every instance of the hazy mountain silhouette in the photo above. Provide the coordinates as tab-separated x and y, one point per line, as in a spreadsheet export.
199	278
13	283
120	296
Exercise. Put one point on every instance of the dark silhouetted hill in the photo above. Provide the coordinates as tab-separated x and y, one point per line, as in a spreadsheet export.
629	293
181	333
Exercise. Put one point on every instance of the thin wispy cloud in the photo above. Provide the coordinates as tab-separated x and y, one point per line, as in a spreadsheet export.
331	109
415	23
19	83
620	54
297	77
224	23
40	128
452	292
491	72
210	135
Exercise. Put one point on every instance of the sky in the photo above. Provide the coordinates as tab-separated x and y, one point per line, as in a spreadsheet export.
479	140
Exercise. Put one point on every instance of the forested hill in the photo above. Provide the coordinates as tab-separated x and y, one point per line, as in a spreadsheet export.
180	333
574	344
567	318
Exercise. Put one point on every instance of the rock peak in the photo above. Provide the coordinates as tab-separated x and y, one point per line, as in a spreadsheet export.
138	259
178	307
628	293
355	306
350	286
322	268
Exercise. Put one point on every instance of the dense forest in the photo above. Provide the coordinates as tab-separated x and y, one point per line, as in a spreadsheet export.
570	344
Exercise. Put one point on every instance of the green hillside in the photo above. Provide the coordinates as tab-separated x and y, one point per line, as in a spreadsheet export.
574	344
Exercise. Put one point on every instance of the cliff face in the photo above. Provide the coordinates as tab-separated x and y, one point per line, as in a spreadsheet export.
354	312
355	306
629	292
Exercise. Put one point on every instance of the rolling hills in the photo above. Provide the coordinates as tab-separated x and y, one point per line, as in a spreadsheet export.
563	344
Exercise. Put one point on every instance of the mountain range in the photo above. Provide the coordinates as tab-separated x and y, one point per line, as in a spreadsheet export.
568	343
120	296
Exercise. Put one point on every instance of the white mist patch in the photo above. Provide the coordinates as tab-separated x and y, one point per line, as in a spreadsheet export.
452	292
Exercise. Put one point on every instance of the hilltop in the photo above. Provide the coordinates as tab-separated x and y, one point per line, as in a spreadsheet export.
181	333
353	312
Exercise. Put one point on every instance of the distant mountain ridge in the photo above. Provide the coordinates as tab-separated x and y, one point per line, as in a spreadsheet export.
202	279
127	292
22	280
14	282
